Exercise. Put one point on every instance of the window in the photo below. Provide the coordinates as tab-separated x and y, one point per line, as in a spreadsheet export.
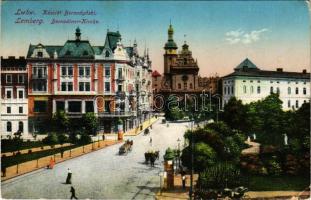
297	104
20	109
20	94
252	89
278	82
251	81
271	90
278	90
304	101
9	127
74	106
21	126
40	106
39	54
87	86
107	106
190	85
64	71
9	94
81	71
8	78
258	89
60	105
304	91
232	89
87	71
107	71
69	86
120	88
244	89
89	106
185	85
70	71
288	104
20	78
39	86
244	81
81	86
258	81
271	81
179	86
63	86
107	86
289	90
119	73
107	54
297	90
8	109
296	82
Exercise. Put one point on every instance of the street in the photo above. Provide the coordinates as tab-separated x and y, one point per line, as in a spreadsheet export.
102	174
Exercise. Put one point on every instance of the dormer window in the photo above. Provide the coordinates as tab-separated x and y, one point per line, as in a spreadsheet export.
85	53
107	54
39	54
68	53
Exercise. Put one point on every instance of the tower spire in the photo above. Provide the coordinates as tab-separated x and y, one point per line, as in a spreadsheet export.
78	33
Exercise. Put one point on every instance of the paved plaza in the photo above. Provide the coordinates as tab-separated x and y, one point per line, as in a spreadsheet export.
102	174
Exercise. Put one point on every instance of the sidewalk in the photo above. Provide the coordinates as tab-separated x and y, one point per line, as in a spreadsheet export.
145	124
43	162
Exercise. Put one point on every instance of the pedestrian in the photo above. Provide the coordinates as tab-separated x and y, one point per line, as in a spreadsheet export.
51	165
73	193
3	170
183	181
69	175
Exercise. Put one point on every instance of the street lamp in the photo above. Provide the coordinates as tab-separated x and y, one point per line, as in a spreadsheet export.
192	148
178	153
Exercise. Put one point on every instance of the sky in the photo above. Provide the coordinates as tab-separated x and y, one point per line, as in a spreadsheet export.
220	34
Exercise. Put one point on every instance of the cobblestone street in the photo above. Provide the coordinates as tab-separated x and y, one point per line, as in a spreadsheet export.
102	174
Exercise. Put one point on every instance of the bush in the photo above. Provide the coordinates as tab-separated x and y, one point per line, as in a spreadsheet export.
220	175
51	139
169	154
62	138
274	168
85	139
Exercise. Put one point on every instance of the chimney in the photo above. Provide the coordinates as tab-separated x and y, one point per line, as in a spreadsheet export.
304	71
279	69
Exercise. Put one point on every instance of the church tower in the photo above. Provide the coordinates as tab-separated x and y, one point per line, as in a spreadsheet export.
170	51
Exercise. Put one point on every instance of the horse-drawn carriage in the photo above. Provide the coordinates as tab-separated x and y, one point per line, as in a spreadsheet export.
151	156
126	147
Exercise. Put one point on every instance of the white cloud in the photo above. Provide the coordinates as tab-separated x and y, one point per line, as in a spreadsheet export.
236	36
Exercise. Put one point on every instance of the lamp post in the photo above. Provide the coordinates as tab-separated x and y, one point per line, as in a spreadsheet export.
178	153
192	148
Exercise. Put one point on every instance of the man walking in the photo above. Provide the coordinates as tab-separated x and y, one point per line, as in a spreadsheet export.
73	193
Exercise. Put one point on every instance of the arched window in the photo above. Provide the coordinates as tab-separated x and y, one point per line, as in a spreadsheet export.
232	90
297	104
304	90
21	127
297	91
179	86
107	54
9	127
244	89
190	85
258	89
225	91
288	104
252	89
185	85
289	90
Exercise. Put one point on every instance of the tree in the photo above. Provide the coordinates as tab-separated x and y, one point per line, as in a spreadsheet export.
60	122
62	138
85	139
51	139
235	115
90	123
174	113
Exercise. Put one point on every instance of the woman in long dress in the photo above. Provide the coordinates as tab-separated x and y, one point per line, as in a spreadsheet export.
69	175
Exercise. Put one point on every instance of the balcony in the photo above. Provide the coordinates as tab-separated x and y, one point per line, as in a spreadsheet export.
39	76
120	78
116	114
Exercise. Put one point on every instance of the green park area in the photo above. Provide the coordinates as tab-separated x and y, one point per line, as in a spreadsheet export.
282	162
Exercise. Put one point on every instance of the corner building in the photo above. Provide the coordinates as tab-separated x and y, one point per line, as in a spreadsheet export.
78	78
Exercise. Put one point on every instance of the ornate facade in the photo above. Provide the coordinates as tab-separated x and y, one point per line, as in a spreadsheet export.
112	81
